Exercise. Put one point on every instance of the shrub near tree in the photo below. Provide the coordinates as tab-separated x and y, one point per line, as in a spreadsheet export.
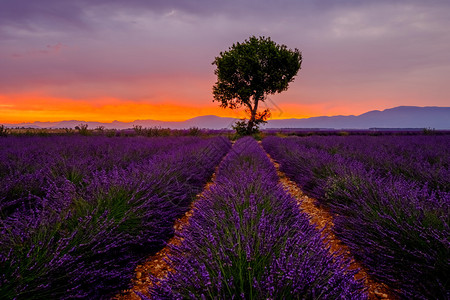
250	71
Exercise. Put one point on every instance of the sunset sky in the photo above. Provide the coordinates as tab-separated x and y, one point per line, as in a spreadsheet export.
111	60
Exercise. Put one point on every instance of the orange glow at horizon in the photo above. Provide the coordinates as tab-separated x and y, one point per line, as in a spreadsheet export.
31	108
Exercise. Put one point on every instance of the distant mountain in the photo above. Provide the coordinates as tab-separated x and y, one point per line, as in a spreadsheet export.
397	117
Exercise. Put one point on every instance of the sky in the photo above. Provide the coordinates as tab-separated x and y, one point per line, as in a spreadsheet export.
105	60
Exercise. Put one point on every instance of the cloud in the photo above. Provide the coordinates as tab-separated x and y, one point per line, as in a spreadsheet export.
155	50
48	50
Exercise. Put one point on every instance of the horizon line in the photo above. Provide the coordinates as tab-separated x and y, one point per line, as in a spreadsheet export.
236	118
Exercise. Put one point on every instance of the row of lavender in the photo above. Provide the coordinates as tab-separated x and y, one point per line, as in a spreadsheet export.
77	214
425	159
247	239
390	200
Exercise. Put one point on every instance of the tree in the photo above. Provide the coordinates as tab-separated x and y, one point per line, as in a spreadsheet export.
250	71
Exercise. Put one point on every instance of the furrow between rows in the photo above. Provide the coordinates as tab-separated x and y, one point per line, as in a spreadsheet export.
323	220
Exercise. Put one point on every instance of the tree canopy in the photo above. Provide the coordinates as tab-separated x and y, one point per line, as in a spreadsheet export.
250	71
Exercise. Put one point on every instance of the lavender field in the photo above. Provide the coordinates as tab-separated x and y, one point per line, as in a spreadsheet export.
248	239
390	197
79	213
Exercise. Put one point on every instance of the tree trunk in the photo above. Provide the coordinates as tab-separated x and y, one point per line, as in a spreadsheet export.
251	122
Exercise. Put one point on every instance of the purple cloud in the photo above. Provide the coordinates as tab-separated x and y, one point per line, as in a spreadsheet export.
352	49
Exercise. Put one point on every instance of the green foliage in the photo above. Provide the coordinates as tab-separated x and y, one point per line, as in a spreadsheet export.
194	131
111	132
43	132
83	129
151	131
429	131
101	129
3	131
29	132
343	133
114	204
138	129
68	131
241	128
35	250
250	71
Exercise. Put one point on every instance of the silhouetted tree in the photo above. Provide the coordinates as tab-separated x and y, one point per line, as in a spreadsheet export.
250	71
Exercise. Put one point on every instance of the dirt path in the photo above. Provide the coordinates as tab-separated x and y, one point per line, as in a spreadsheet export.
322	219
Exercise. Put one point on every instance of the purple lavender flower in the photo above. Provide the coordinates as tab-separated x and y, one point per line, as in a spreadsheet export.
390	196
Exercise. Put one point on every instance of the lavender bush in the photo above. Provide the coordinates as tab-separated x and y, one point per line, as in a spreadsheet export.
247	239
78	213
397	225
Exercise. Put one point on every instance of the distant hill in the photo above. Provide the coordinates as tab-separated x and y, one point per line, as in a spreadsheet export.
397	117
